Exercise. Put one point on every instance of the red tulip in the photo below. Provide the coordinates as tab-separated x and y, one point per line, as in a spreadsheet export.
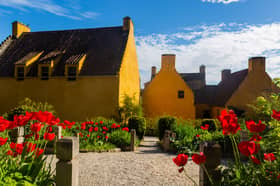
197	135
12	145
83	126
31	147
181	160
9	152
255	138
255	160
248	148
276	115
101	122
269	156
36	127
113	126
118	126
205	127
105	128
3	141
106	137
88	135
90	129
4	124
229	122
39	152
125	129
19	148
255	128
49	136
95	129
199	158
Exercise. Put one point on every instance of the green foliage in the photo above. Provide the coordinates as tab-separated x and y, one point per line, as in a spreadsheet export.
30	106
151	127
120	138
139	124
129	109
214	124
261	108
166	123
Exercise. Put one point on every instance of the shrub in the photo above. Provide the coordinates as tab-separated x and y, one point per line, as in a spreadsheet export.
151	127
139	124
213	124
166	123
27	105
120	138
129	109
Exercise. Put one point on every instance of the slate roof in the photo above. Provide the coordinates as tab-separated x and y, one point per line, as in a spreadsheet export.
218	95
227	87
104	48
206	95
188	77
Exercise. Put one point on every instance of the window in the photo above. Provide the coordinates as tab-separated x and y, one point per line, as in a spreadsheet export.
20	73
181	94
72	72
44	73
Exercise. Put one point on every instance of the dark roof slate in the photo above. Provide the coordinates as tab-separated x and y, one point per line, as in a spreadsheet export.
104	48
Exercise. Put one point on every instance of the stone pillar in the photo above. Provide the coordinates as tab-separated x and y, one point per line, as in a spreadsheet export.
166	140
132	139
17	135
57	130
212	152
67	168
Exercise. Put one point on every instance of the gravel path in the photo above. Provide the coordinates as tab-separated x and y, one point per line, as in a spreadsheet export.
147	166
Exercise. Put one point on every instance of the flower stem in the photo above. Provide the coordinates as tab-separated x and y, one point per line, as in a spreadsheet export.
209	177
190	178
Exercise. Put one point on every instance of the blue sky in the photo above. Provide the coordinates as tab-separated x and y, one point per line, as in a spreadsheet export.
218	33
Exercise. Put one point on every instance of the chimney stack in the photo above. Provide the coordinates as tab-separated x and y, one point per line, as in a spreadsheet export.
154	71
168	62
202	72
19	28
127	23
226	74
256	64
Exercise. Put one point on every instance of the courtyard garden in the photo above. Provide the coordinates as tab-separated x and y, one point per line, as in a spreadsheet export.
255	156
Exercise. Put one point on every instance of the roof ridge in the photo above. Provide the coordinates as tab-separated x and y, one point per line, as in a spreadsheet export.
78	29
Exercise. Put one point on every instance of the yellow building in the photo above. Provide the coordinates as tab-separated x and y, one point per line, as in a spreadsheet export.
167	93
236	90
83	73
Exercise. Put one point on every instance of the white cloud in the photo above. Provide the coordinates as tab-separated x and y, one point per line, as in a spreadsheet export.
221	1
217	46
90	15
45	5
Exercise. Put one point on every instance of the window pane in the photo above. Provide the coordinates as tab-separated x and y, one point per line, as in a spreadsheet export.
45	73
72	73
181	94
20	73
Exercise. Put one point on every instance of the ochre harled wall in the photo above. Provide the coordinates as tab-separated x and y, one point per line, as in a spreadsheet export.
73	100
129	78
160	97
254	85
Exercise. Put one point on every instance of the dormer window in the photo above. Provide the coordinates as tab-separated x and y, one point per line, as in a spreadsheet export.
73	66
20	73
45	72
72	73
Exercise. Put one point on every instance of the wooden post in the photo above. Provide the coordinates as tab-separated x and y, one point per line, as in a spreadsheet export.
67	168
212	152
132	139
